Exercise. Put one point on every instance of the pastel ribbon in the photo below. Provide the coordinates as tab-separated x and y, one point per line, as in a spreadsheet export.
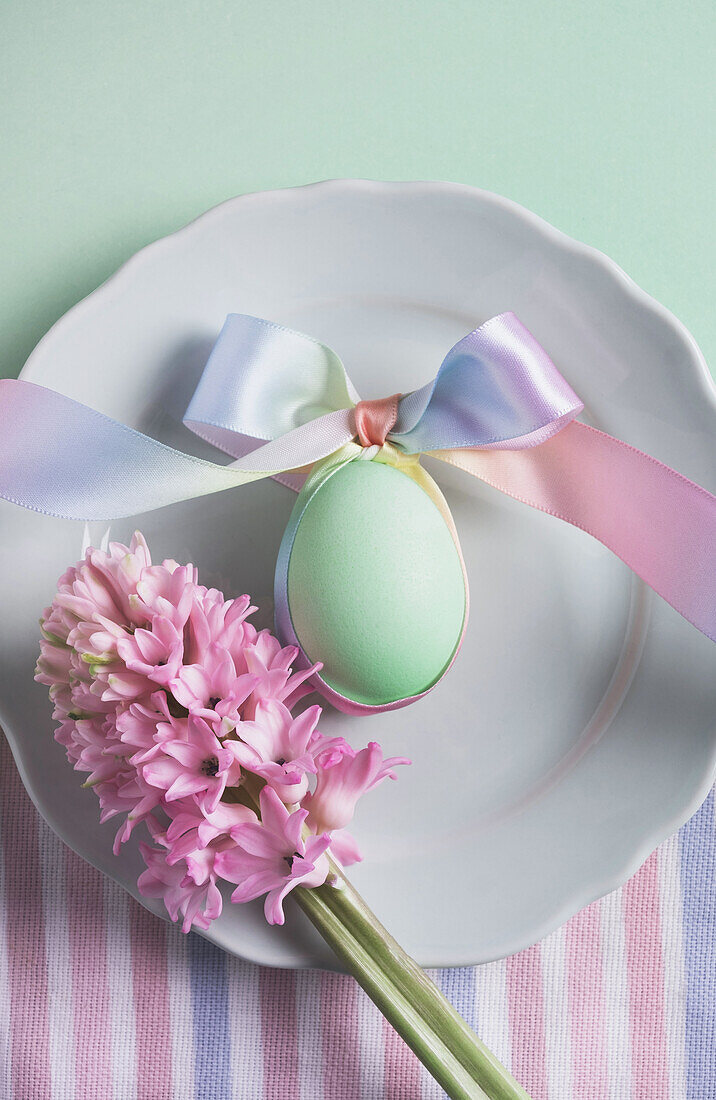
278	401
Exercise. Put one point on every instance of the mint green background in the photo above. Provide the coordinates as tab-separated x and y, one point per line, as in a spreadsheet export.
120	121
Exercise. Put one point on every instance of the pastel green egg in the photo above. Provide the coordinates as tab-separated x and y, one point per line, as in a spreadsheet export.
374	584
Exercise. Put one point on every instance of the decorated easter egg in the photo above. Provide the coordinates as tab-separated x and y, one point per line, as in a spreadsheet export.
370	583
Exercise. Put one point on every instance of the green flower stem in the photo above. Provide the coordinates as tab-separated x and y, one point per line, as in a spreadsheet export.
406	996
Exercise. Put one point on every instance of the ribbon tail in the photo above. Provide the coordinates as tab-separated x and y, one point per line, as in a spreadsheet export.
63	459
659	523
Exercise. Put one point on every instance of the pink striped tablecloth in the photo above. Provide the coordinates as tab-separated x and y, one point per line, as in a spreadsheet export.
99	1000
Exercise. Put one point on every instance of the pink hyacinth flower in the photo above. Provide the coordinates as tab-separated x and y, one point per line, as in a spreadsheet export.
104	583
193	828
276	747
271	664
168	590
332	804
198	904
214	620
155	653
142	726
272	857
212	688
196	764
344	848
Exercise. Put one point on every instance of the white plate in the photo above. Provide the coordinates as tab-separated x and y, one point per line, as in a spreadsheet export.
576	729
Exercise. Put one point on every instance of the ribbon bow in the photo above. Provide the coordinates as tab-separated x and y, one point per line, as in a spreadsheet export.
278	401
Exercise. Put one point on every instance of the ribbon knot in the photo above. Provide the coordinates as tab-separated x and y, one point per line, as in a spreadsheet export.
374	419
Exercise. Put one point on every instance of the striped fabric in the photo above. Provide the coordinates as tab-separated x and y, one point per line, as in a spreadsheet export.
98	999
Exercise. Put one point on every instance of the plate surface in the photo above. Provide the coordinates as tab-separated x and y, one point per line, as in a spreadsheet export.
576	729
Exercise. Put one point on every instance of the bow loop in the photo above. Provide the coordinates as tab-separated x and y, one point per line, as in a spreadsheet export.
497	388
262	381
